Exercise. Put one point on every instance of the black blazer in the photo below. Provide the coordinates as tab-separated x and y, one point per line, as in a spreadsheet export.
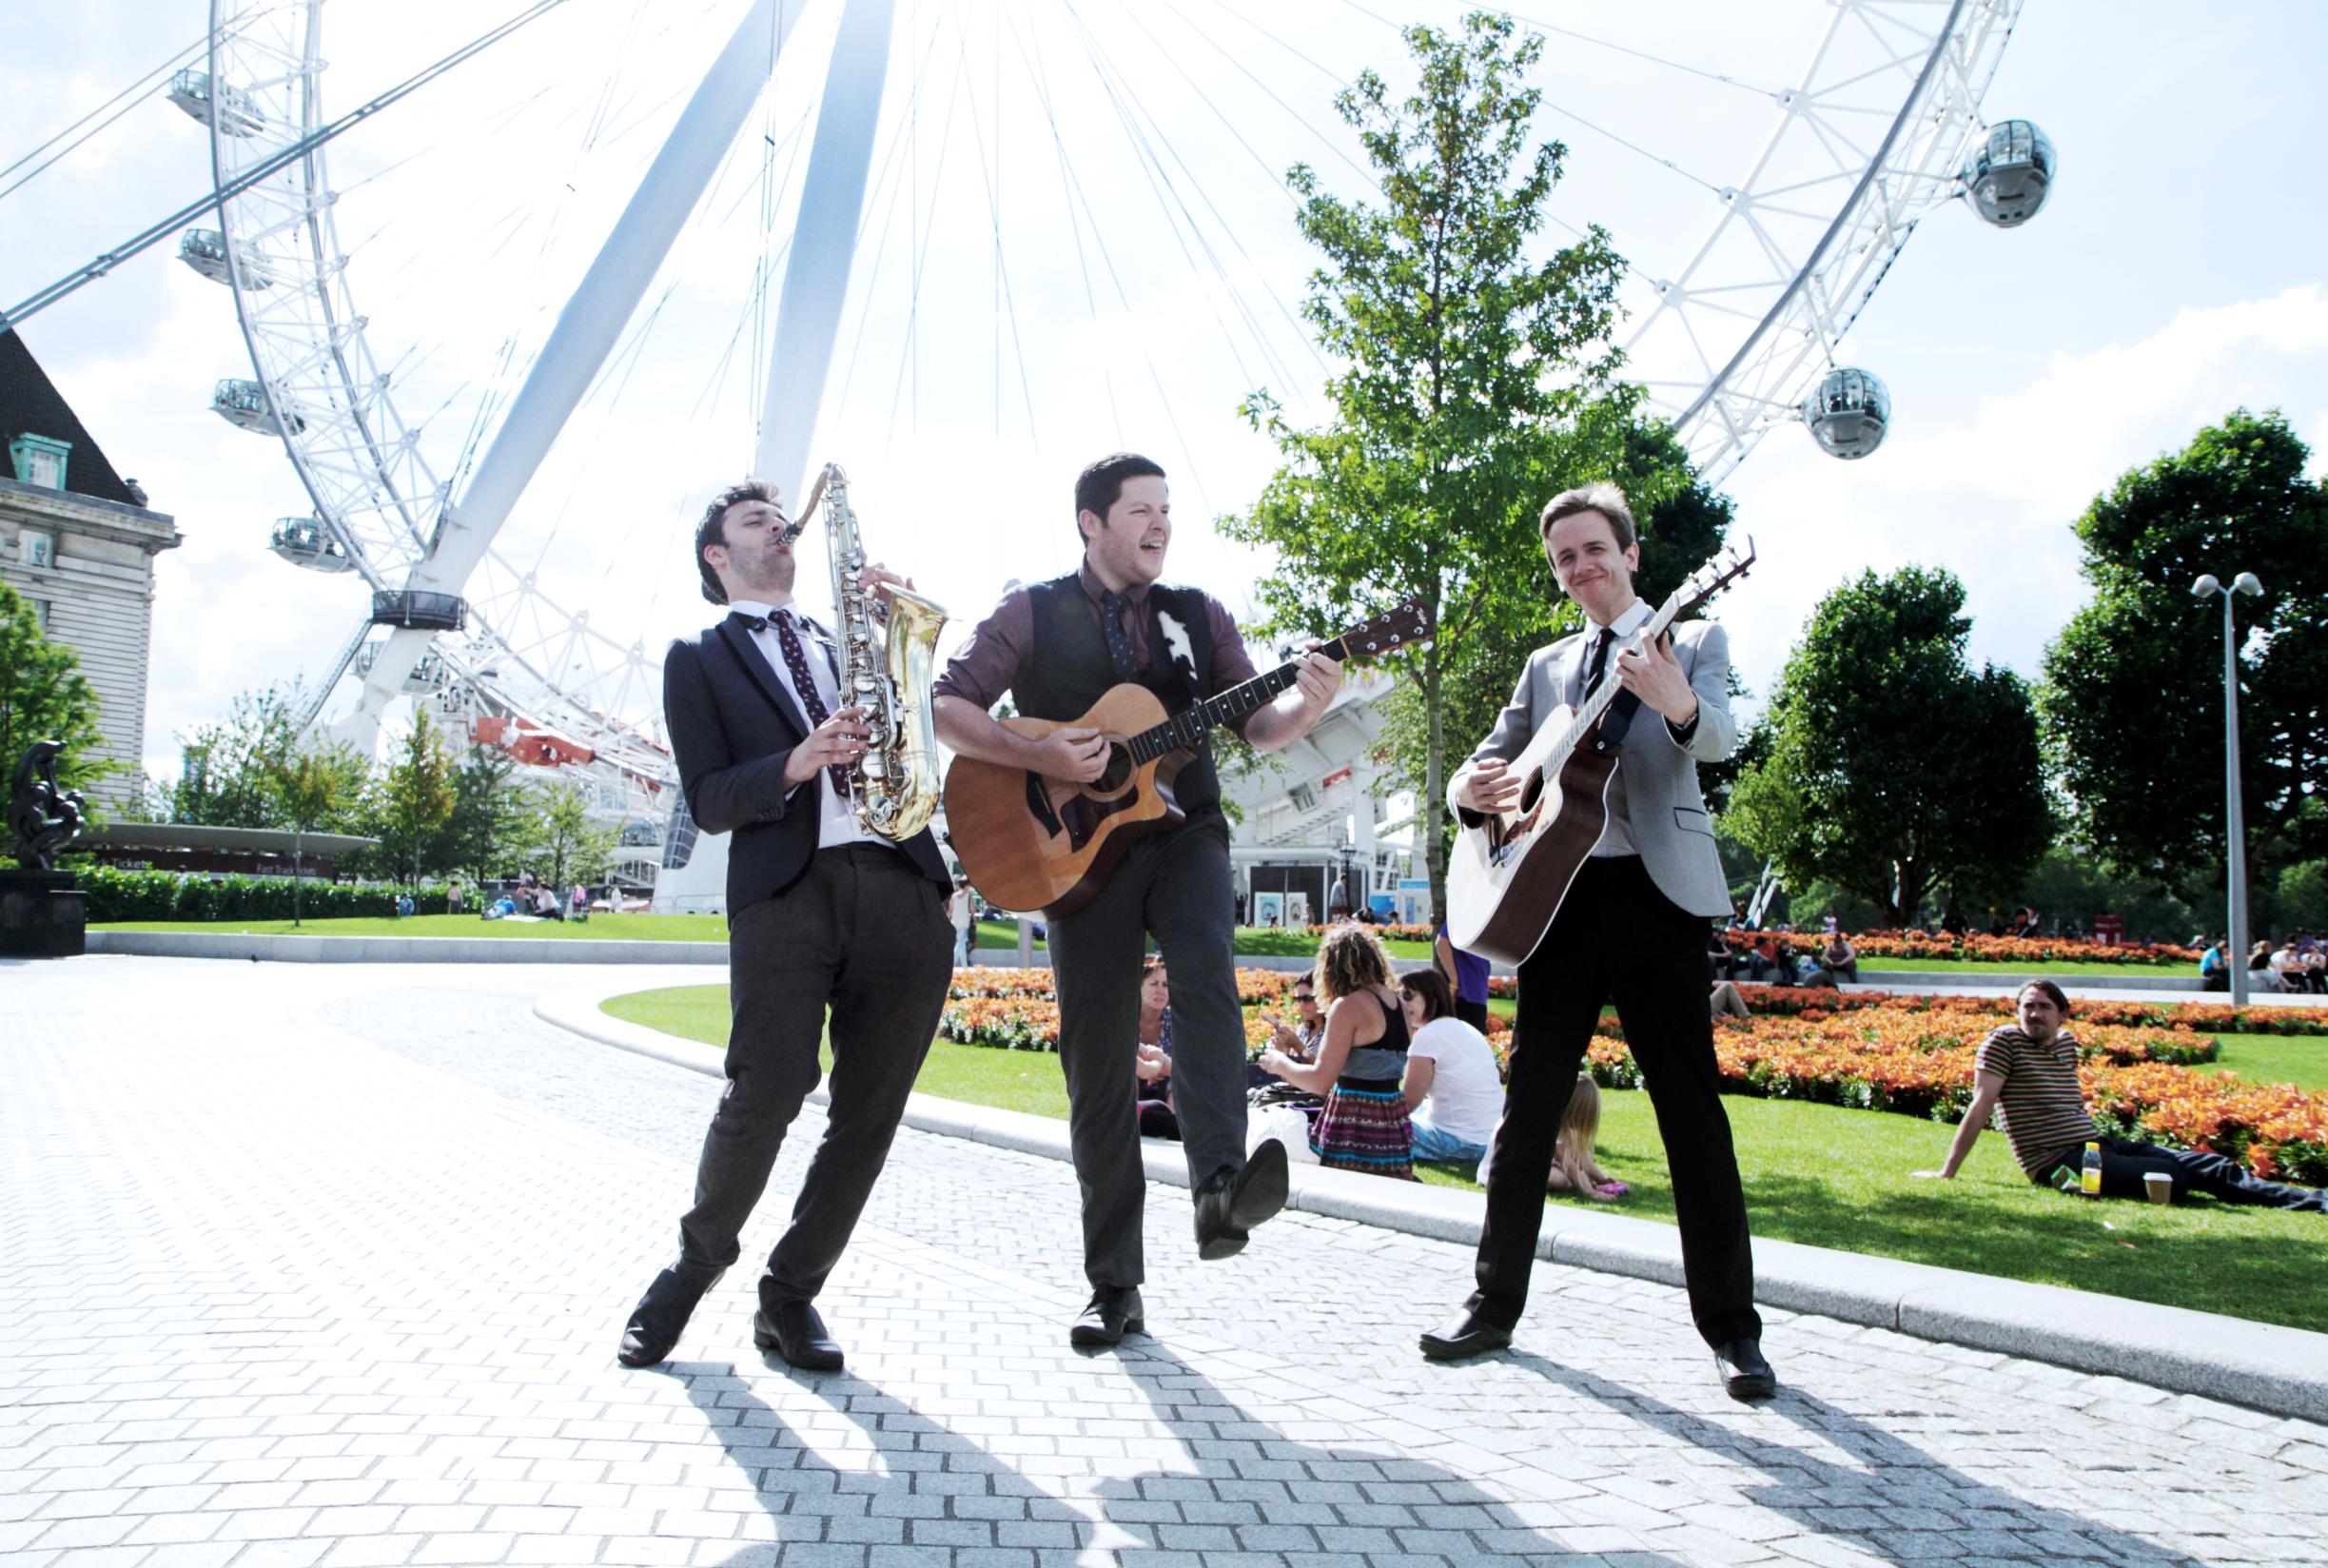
733	725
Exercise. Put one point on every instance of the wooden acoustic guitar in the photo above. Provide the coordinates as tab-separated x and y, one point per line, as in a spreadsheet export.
1030	842
1508	876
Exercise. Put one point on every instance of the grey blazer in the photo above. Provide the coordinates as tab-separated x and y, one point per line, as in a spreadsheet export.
1670	824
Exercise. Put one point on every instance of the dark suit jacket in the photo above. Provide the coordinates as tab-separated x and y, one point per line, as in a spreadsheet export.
732	726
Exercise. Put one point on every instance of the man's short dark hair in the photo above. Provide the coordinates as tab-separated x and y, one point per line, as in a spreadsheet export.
1603	498
2059	998
712	529
1100	486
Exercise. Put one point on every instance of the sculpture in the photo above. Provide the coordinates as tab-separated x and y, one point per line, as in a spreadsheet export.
44	817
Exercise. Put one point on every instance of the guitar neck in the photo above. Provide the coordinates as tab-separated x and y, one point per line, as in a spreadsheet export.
1188	726
1598	702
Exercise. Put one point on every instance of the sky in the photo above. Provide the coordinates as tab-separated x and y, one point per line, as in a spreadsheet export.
1077	239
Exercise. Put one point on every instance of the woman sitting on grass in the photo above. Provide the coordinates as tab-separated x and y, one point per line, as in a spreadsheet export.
1360	1063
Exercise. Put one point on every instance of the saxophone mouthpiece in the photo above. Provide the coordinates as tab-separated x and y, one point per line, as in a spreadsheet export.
792	530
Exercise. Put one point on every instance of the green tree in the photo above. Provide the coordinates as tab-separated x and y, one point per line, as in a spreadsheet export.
1471	373
2133	698
414	797
230	769
43	696
564	837
1890	768
315	788
489	820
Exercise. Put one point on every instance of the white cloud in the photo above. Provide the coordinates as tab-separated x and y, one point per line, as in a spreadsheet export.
1993	499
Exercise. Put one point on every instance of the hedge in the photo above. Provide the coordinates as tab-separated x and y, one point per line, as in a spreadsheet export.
194	896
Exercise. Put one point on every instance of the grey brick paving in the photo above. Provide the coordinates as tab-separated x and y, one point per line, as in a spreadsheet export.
312	1265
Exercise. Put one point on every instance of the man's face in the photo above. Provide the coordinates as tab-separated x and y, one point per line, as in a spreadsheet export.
1128	547
756	563
1590	567
2040	1016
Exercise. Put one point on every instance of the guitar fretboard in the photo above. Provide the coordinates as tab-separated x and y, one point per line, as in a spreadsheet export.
1187	727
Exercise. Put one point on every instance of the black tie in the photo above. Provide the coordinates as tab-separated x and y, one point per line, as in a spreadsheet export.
1119	642
1600	661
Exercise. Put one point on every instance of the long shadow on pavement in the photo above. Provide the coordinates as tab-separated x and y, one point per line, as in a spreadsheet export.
1905	1506
1245	1487
1376	1507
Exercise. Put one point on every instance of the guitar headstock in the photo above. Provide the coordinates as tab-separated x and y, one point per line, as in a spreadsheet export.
1726	567
1394	628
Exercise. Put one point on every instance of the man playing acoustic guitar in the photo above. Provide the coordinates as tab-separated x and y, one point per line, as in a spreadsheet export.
1632	930
1057	648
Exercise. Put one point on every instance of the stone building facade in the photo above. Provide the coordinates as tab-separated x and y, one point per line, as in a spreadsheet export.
78	541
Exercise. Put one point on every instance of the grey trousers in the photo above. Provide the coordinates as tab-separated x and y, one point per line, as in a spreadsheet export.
867	933
1175	885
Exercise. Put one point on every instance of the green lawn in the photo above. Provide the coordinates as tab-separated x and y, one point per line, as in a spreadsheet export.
603	927
1835	1178
2299	1059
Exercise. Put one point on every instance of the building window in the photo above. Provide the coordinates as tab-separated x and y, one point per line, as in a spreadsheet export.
40	612
36	548
39	460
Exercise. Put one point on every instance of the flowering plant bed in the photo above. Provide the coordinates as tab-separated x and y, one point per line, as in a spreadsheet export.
2035	951
1911	1055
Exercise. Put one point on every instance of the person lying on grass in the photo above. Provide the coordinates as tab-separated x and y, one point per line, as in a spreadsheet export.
2028	1074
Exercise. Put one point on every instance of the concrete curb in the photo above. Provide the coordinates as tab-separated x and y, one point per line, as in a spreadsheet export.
2280	1370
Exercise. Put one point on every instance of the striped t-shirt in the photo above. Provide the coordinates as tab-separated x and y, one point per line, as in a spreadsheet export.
2041	1109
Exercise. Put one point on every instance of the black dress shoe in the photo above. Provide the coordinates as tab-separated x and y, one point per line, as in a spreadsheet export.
1115	1311
1745	1372
796	1332
660	1317
1233	1202
1463	1336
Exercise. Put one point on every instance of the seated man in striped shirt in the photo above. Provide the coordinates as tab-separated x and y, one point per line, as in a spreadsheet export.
2030	1076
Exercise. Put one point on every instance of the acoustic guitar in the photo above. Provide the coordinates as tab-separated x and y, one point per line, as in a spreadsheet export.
1030	842
1508	874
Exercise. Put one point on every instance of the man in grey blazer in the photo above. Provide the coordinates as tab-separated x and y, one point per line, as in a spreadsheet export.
1632	931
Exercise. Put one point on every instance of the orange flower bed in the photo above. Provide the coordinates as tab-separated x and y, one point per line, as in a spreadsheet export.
2036	951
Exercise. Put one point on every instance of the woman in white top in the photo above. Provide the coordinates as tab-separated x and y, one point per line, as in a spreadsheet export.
1453	1088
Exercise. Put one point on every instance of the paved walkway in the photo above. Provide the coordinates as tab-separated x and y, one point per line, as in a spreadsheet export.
307	1264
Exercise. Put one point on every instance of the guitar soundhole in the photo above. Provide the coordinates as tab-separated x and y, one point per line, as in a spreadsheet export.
1119	772
1532	792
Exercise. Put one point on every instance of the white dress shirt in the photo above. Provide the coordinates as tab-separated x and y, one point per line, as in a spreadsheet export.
837	824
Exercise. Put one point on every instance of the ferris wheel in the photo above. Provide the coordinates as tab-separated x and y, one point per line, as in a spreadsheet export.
1732	335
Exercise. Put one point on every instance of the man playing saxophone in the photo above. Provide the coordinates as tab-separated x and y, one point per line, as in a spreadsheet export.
821	913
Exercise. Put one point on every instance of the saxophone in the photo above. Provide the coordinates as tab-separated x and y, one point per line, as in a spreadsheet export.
894	787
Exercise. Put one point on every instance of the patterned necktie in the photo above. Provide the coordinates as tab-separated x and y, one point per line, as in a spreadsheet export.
1599	665
1118	642
796	660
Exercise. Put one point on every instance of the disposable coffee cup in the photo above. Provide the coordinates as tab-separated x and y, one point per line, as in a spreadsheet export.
2159	1185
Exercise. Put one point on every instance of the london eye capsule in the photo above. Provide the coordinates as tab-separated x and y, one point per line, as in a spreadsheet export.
220	104
244	404
304	541
1847	412
204	250
2010	175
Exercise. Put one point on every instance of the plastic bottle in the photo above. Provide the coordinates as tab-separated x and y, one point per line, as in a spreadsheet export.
2089	1181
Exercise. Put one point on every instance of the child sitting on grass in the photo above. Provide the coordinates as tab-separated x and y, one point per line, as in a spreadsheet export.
1573	1166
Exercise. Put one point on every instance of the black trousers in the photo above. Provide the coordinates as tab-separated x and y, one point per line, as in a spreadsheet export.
1175	885
1474	1013
1617	938
866	934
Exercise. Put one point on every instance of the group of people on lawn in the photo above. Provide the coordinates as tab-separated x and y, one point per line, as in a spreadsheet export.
2298	964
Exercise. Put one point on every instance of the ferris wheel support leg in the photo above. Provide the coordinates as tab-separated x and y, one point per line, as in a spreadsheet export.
824	244
587	330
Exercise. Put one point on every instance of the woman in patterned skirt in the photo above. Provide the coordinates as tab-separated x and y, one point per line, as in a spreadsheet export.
1361	1062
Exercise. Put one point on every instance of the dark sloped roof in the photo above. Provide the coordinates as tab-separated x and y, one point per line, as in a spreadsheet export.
31	404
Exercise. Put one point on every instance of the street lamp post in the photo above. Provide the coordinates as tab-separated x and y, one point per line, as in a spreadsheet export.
2235	823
